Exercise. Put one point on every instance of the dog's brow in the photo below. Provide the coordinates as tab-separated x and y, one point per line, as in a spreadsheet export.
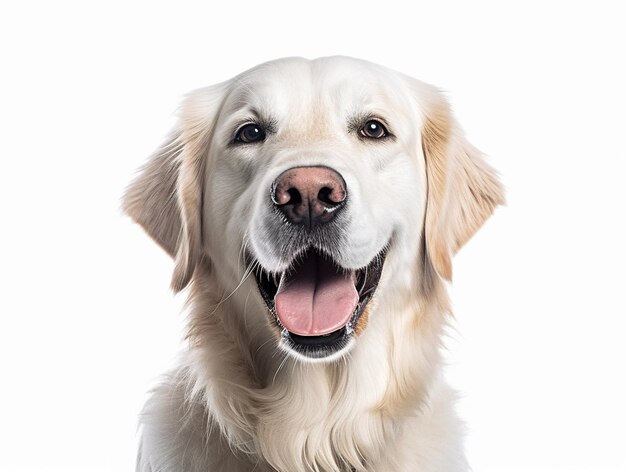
247	107
247	96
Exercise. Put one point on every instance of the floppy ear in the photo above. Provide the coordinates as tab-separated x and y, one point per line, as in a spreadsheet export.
166	197
463	190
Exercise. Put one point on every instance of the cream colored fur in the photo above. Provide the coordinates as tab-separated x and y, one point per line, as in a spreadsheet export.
238	402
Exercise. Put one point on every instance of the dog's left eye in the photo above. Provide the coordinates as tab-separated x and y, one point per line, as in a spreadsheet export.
374	129
250	133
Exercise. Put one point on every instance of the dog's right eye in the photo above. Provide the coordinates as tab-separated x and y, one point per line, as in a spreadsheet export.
250	133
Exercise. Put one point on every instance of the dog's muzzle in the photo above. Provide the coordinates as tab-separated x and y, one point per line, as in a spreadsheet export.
316	303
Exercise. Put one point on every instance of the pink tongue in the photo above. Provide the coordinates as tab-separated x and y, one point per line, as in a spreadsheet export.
316	299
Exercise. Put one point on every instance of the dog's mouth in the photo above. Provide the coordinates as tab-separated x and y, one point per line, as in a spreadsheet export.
318	305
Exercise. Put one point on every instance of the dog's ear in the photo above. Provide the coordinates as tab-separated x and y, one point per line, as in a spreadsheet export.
463	190
166	197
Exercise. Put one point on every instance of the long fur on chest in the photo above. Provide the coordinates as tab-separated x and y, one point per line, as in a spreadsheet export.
259	404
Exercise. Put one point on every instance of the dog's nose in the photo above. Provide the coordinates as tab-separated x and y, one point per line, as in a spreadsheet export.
309	196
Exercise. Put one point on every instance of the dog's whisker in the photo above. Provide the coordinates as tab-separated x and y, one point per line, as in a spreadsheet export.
263	345
245	309
247	273
364	281
244	247
280	367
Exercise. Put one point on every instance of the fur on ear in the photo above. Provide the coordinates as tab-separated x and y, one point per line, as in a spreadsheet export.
463	190
166	197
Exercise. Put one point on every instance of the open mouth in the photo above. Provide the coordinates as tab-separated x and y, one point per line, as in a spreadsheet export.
317	305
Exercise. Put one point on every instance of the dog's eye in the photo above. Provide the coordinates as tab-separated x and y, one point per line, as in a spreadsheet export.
250	133
374	129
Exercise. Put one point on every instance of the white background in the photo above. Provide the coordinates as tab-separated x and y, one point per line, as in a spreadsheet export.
88	323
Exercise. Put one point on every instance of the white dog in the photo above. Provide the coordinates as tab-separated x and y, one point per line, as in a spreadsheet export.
313	207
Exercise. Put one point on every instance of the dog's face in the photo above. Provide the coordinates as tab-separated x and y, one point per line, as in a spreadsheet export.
310	175
320	164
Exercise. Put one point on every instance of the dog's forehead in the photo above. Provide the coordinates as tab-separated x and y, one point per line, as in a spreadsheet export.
328	85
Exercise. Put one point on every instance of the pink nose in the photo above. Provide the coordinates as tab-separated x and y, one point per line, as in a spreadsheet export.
309	196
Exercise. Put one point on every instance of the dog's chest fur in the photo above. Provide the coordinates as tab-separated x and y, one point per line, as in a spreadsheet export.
214	414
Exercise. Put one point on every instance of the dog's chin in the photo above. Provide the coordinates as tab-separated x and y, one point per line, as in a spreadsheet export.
319	307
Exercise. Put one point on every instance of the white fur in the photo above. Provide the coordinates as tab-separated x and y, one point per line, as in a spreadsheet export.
240	403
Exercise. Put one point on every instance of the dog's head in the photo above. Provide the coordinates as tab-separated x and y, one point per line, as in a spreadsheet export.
317	177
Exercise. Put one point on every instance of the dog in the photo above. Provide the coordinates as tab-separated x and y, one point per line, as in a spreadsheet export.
312	208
